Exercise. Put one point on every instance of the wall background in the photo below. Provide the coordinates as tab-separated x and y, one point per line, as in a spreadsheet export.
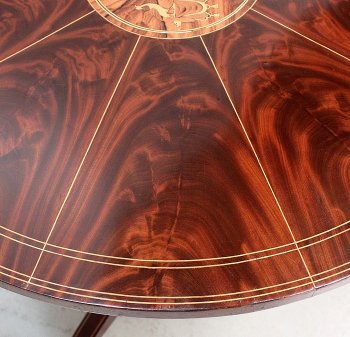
324	315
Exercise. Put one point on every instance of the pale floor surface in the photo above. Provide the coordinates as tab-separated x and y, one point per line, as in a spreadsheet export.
326	315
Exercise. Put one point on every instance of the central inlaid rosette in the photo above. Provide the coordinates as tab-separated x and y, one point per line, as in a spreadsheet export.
171	18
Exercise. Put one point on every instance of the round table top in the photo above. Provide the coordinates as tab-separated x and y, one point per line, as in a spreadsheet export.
176	157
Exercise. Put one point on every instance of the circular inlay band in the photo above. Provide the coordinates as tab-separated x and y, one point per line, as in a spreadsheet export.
171	19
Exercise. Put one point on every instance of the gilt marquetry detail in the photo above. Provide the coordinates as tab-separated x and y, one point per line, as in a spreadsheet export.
171	18
186	174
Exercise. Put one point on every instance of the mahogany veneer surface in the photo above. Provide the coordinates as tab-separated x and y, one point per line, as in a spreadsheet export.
174	158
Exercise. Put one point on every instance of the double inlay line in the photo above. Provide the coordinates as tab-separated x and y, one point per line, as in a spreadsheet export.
258	160
114	257
303	282
109	103
91	257
84	158
251	9
112	14
248	138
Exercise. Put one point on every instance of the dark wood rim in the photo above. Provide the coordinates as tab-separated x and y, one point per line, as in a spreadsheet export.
174	177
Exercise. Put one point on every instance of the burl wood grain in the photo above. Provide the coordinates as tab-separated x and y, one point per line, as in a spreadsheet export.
171	18
179	177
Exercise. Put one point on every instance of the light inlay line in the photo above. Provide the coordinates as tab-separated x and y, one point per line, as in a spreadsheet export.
300	34
84	157
257	158
175	267
45	37
149	267
180	297
184	260
153	303
167	303
165	297
111	13
176	297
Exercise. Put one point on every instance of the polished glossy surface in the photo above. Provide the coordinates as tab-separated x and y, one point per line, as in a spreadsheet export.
177	177
169	19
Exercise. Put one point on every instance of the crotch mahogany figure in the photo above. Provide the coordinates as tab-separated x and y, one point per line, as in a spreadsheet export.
174	158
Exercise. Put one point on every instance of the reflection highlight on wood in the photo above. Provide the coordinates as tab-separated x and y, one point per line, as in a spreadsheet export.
325	21
171	19
165	177
301	35
25	22
84	157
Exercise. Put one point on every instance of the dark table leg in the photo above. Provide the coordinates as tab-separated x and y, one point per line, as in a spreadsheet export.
93	325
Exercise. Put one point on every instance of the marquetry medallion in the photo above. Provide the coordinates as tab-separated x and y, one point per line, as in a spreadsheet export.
171	18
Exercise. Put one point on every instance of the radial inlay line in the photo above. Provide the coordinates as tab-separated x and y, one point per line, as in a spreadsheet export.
45	37
258	160
246	260
184	260
300	34
84	157
182	297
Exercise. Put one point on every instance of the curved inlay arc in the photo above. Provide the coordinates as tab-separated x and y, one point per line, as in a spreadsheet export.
174	157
